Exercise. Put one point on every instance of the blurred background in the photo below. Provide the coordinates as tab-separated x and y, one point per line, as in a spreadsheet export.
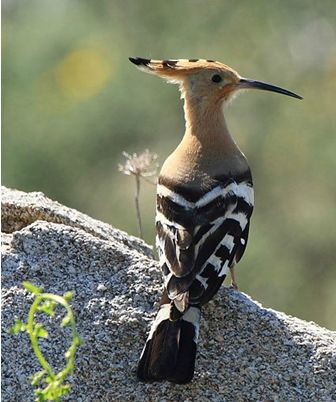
72	103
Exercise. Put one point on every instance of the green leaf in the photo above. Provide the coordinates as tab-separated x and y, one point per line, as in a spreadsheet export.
53	391
31	288
40	395
66	320
39	331
18	326
37	377
68	296
68	353
77	340
42	333
48	307
64	389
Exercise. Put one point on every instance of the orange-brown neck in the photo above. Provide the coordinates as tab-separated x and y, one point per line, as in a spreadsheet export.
207	148
206	126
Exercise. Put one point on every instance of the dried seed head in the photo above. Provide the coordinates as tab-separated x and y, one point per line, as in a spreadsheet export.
143	165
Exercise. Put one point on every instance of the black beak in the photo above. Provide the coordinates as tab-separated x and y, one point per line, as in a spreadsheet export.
246	83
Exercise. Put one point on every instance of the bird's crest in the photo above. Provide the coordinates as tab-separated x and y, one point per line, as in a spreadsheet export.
228	80
175	68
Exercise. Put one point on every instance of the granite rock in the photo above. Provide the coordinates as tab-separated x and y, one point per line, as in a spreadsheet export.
246	352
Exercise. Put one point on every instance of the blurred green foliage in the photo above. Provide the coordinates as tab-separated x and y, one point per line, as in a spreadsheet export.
72	103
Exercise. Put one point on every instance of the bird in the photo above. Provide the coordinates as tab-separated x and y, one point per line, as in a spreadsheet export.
204	203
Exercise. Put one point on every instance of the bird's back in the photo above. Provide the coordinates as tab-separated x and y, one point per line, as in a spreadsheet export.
203	210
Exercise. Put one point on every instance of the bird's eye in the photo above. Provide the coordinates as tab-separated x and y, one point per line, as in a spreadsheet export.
216	78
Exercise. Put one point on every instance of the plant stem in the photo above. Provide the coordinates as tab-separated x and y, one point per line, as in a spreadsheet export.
33	336
137	206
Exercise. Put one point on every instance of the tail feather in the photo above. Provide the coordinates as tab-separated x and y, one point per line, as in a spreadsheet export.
170	350
185	363
164	350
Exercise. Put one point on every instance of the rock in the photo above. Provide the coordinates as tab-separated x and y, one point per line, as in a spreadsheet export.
20	209
246	352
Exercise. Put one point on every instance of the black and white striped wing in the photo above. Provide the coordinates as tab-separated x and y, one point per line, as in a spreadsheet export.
200	237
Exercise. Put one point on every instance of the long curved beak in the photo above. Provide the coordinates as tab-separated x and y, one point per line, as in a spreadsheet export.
246	83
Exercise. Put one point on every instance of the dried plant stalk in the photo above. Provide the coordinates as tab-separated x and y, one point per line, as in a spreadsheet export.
137	205
140	166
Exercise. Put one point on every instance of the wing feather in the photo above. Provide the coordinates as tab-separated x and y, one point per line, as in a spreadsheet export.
199	240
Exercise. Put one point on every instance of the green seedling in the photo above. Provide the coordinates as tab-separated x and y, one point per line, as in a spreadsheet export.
51	386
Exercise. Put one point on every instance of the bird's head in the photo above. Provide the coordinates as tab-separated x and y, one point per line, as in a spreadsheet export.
204	79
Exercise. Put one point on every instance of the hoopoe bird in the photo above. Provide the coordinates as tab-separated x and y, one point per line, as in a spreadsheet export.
204	204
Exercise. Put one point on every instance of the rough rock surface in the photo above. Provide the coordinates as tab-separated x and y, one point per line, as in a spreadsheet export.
246	352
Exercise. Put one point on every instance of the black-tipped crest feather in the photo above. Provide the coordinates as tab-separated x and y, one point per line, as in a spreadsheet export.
139	61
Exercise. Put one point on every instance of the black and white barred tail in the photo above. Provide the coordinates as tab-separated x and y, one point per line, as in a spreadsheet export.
170	350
